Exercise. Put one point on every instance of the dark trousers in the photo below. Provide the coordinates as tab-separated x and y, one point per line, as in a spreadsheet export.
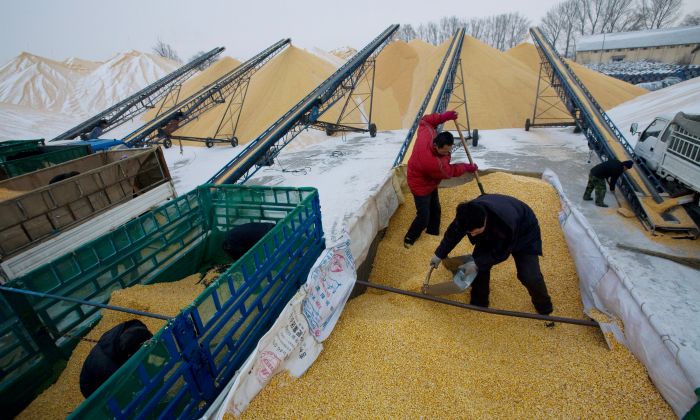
427	217
529	274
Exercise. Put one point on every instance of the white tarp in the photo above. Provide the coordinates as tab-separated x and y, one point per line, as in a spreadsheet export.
605	287
294	341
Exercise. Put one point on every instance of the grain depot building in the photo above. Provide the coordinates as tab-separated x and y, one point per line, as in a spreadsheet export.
673	46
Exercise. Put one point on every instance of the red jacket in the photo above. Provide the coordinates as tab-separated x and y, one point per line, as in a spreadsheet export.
425	167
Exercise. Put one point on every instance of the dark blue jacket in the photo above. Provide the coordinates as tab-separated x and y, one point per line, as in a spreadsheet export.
511	228
611	169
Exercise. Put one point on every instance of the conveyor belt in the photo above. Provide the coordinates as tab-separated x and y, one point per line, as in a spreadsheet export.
205	99
142	100
640	186
260	151
438	99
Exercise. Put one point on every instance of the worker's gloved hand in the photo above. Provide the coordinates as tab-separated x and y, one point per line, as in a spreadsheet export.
471	167
449	115
435	261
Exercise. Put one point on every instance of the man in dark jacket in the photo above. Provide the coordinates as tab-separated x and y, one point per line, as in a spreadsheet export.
611	169
428	165
112	350
499	226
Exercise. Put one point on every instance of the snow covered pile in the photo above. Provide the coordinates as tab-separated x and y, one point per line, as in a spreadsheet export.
57	95
37	82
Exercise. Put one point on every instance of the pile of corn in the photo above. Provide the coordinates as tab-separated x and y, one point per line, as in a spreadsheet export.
396	356
64	396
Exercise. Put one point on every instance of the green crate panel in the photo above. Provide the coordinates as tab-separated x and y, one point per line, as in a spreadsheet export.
161	245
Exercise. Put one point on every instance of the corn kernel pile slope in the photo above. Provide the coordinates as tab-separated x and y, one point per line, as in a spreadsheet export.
194	85
397	356
64	396
273	90
404	72
608	91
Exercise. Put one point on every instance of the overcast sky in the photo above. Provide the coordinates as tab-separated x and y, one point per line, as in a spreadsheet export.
96	30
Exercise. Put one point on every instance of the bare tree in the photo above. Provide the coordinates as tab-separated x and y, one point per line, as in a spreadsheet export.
570	11
552	25
165	50
594	10
579	15
448	27
618	15
432	32
660	13
476	27
518	25
691	19
406	33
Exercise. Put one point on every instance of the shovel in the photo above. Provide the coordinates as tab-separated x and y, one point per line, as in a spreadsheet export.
459	282
469	156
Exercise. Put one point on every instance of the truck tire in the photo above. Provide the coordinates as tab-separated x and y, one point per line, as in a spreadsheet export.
209	143
475	137
527	124
234	142
167	143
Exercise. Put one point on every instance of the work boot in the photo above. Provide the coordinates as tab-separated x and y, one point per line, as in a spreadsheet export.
587	198
601	204
407	242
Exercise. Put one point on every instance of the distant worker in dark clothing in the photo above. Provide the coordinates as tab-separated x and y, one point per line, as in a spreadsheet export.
112	350
243	237
499	226
98	130
611	169
429	164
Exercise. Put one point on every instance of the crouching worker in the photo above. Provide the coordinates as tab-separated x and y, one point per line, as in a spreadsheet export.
112	350
243	237
499	226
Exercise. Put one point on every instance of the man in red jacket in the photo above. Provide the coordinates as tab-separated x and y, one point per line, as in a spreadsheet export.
429	164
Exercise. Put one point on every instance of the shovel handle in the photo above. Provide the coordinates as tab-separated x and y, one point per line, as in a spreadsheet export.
426	283
469	156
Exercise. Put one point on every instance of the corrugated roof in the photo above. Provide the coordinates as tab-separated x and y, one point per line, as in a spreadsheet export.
640	39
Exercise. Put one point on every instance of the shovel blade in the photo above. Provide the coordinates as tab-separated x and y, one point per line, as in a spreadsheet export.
446	288
457	285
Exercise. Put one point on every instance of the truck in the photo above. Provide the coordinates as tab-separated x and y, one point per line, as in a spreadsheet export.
670	146
59	208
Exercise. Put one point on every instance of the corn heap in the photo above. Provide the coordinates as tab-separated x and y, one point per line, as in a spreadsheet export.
64	396
396	356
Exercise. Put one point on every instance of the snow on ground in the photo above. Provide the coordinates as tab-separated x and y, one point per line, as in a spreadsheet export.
19	122
684	97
